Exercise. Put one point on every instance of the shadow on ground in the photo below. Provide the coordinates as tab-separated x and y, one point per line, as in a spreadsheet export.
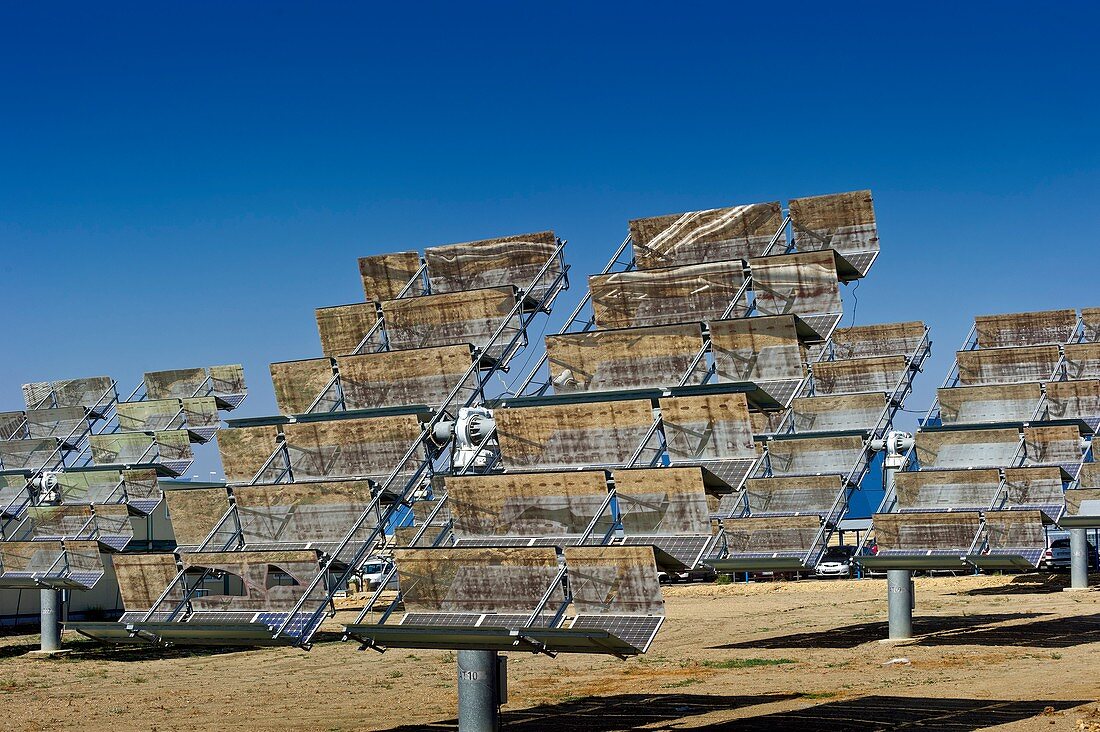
669	712
1023	584
850	636
1053	633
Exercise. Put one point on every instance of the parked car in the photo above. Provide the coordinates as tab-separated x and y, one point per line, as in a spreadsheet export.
836	562
1057	555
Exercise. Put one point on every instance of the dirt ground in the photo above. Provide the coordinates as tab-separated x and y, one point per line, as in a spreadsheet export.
1015	653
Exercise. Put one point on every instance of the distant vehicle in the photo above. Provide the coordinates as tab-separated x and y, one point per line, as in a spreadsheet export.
836	562
1057	555
702	574
374	571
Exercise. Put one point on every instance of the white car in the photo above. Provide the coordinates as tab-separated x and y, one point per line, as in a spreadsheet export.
836	562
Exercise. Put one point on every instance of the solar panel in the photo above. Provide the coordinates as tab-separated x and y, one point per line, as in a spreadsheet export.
662	501
1007	365
94	393
888	339
1072	400
63	423
687	551
369	447
1090	319
801	283
947	489
763	537
878	373
968	448
299	383
815	455
731	505
385	275
614	579
628	358
122	448
1083	361
63	565
1033	487
194	512
707	428
837	413
1025	329
695	237
13	425
343	327
984	404
812	494
1052	445
1015	531
684	294
909	532
501	261
636	630
1083	502
141	580
244	450
763	349
471	316
30	454
397	378
298	513
174	383
273	580
452	620
844	222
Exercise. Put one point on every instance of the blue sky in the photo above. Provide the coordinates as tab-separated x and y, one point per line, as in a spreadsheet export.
181	185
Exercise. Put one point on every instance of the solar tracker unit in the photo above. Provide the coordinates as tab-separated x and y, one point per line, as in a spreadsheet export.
68	565
825	454
932	540
947	490
684	294
844	412
808	494
627	358
343	327
384	276
801	283
1025	329
979	448
1013	540
695	237
886	339
1007	365
470	316
989	404
844	222
876	373
298	384
300	513
498	262
270	581
397	378
1083	361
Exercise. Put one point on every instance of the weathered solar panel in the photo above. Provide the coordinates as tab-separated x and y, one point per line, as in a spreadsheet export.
63	423
1072	400
499	580
384	275
174	384
1090	319
758	349
1014	530
877	373
273	580
227	383
452	318
110	524
714	235
298	383
1041	486
887	339
1025	329
815	455
194	512
812	494
635	630
501	261
13	490
702	428
921	531
844	222
684	294
628	358
140	447
994	403
139	487
343	327
1083	361
143	577
796	283
95	391
369	447
765	422
674	551
1007	365
196	413
1083	502
774	534
30	454
968	448
614	579
1052	445
75	564
245	449
13	425
293	513
662	501
837	413
395	378
1089	476
518	504
934	490
572	435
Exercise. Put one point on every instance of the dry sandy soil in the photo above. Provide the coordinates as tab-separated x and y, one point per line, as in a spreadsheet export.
1015	653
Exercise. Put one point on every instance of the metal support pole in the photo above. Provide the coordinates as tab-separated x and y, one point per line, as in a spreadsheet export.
51	620
899	591
1078	559
479	691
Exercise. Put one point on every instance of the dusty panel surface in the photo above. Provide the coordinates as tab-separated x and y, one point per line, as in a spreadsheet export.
173	445
502	261
684	294
123	447
143	577
453	318
343	327
58	522
392	378
12	425
271	580
30	454
885	339
940	489
194	512
808	456
835	413
1072	400
1015	530
713	235
662	501
351	447
227	379
91	392
776	534
1052	445
917	531
533	504
1083	502
150	415
844	222
1083	361
1090	319
757	349
801	283
300	512
712	427
298	383
174	384
200	412
1007	365
1033	486
477	580
805	494
1025	329
614	579
994	403
244	450
629	358
385	275
43	556
968	448
878	373
100	486
63	423
603	433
